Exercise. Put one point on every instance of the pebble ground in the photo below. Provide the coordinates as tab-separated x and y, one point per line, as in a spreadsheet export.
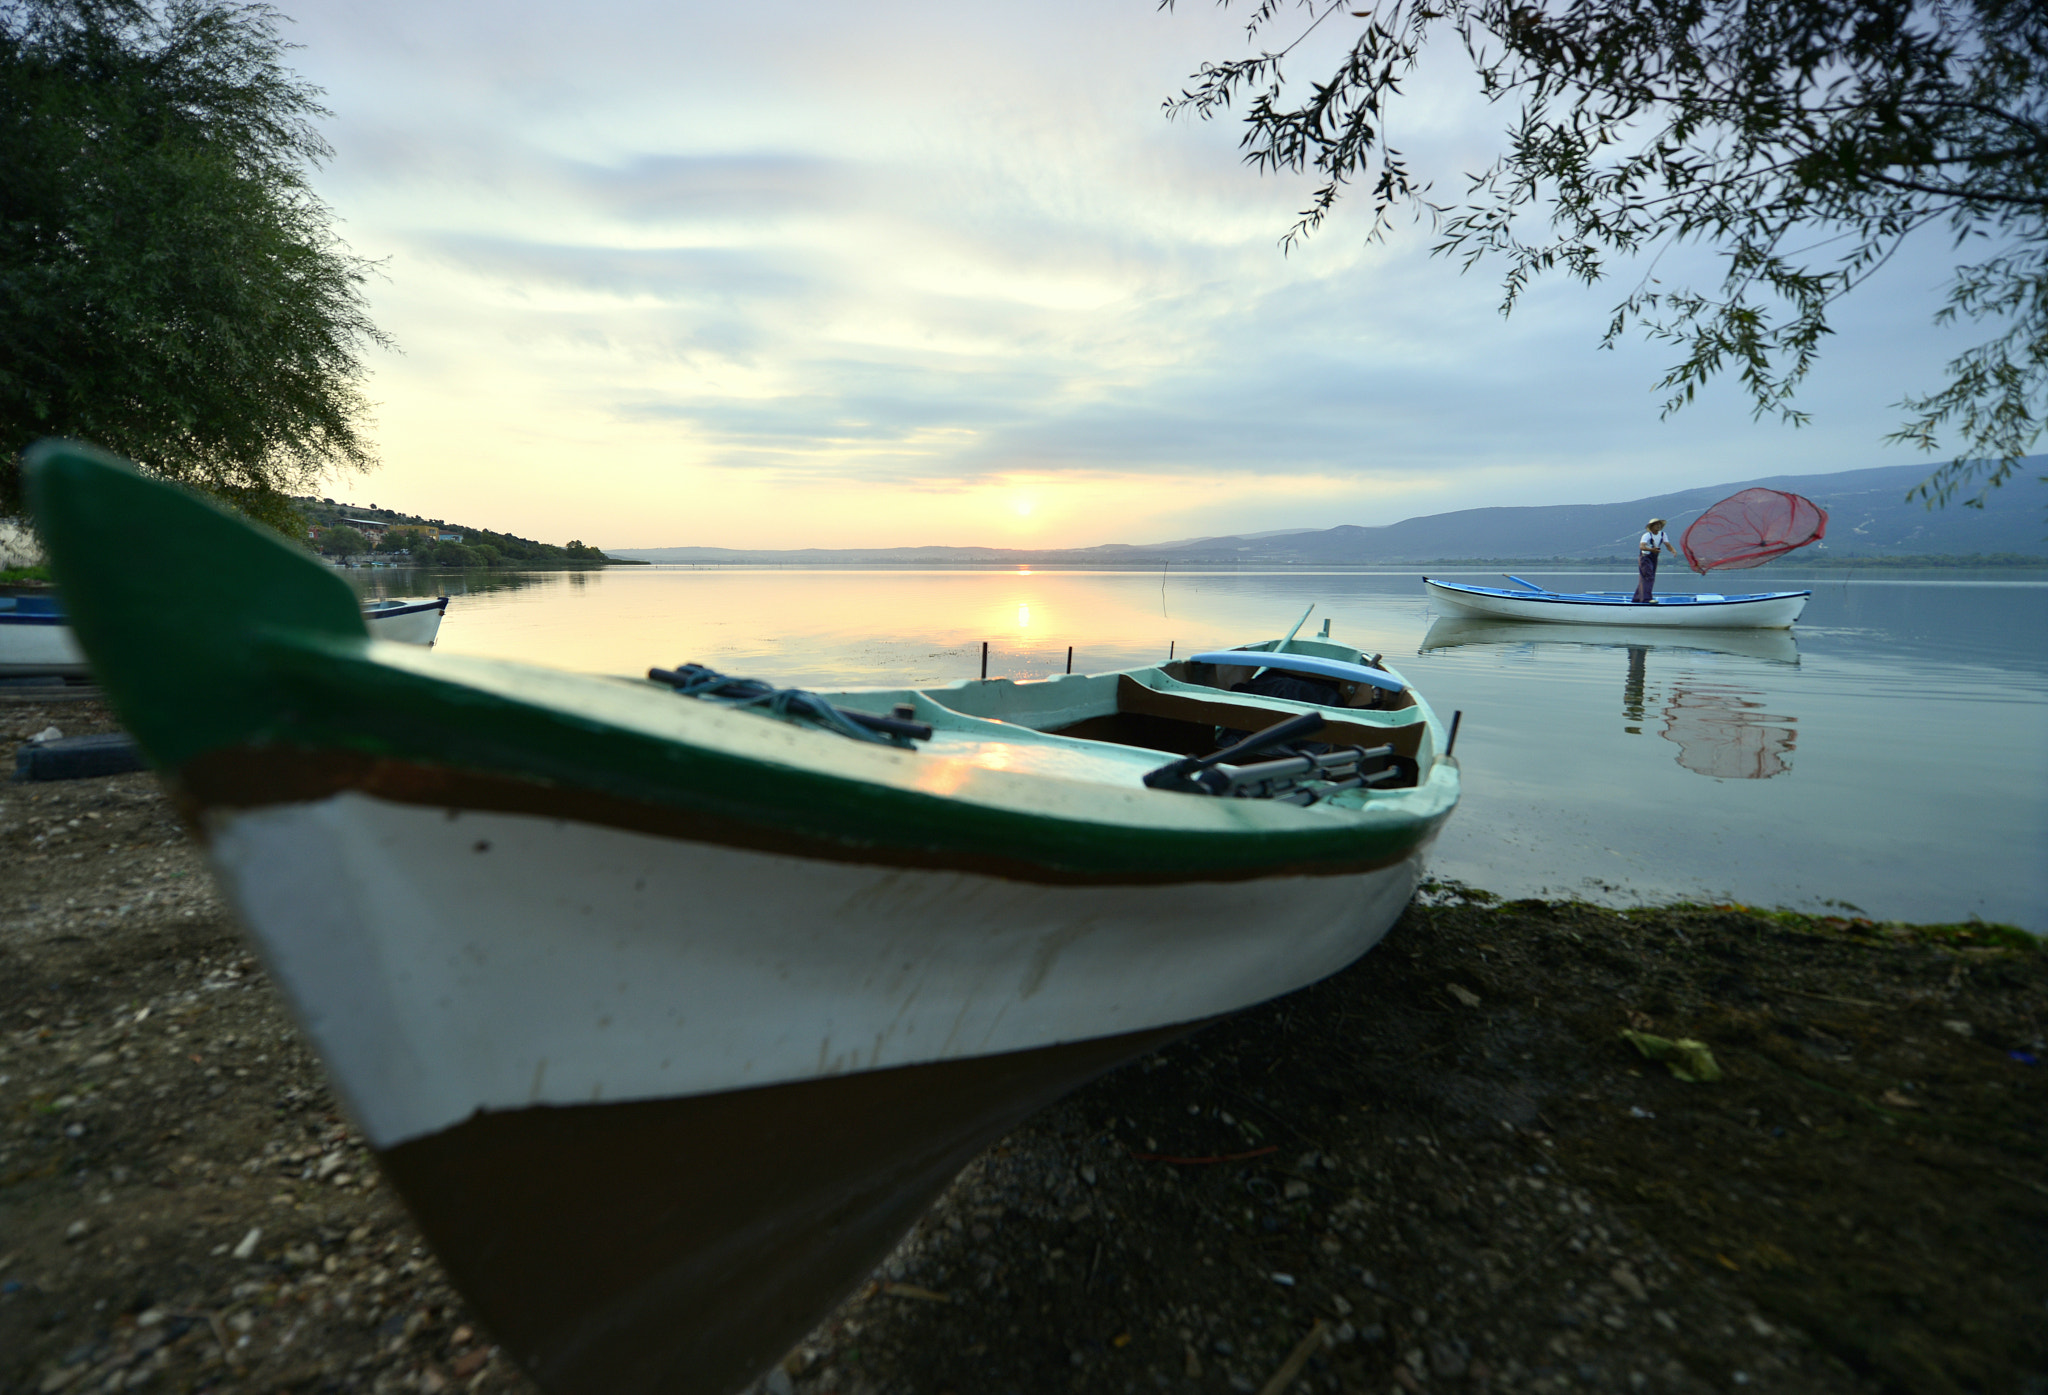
1443	1170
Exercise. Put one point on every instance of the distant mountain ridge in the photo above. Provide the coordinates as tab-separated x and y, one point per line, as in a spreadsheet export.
1868	517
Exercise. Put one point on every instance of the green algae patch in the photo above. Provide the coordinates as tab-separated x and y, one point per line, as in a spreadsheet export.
1858	1203
1686	1059
1872	1167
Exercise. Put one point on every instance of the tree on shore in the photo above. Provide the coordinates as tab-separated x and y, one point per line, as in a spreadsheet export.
1803	141
341	542
170	287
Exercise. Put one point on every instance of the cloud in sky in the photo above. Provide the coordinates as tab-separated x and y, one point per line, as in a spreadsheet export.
819	275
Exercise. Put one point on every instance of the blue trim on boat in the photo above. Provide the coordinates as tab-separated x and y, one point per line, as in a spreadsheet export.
1303	663
30	610
1610	597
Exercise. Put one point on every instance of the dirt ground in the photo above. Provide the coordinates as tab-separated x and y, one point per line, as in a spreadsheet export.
1442	1170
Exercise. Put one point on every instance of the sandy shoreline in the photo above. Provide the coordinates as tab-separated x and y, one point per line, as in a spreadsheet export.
1441	1170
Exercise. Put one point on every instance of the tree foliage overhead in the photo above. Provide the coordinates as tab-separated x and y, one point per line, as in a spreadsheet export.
170	287
1802	140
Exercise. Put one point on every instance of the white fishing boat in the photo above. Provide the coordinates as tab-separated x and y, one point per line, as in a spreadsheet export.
406	622
669	1005
1765	610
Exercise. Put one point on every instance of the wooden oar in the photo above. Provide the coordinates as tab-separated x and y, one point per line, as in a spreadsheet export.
1281	647
1184	774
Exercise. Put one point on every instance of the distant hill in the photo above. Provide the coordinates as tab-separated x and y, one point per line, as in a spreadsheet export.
1868	518
510	548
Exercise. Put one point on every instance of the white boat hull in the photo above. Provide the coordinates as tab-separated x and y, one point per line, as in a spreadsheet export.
448	964
1770	612
412	622
44	646
665	1016
32	649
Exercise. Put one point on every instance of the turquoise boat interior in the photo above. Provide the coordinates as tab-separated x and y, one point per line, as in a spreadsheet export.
1115	728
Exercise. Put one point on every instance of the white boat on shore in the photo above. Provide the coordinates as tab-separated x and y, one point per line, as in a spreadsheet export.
36	639
668	1005
35	642
1765	610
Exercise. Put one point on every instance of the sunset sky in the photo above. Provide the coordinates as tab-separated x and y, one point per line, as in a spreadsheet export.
895	273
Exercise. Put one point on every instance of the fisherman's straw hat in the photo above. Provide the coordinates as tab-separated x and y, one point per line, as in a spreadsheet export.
1655	524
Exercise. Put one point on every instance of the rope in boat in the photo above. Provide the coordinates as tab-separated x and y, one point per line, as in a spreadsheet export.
791	705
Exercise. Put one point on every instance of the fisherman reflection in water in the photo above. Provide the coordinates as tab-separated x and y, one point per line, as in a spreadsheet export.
1632	689
1646	560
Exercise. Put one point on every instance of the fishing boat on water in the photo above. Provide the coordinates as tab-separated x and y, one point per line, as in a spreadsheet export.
668	1004
1769	610
1747	529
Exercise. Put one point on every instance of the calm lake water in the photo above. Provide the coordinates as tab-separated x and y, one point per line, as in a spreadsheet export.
1889	754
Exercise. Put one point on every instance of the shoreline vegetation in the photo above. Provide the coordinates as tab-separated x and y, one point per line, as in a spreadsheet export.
346	532
1465	1164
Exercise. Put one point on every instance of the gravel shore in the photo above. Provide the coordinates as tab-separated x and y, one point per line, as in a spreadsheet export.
1445	1169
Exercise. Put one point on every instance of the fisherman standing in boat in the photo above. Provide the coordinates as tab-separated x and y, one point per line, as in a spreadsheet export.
1646	560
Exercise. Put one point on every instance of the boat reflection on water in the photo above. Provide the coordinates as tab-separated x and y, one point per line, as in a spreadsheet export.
1723	731
1720	728
1773	646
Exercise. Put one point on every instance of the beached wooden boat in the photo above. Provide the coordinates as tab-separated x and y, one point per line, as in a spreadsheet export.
668	1016
1767	610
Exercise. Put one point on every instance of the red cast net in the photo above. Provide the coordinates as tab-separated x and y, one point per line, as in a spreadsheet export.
1750	528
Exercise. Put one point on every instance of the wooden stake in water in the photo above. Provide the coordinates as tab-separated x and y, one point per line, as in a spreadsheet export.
1070	658
984	661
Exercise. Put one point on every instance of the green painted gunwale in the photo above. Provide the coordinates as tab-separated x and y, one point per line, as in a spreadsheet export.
210	635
